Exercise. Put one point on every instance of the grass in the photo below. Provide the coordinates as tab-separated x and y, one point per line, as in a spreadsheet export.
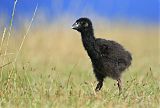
53	70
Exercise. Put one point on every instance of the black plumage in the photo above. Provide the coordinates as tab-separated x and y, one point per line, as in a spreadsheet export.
109	58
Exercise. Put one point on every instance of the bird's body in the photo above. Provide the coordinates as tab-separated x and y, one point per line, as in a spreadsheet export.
109	58
115	59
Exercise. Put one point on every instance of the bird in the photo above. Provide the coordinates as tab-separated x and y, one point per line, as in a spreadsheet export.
109	58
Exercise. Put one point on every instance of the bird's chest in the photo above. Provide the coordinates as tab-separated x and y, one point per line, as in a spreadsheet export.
97	64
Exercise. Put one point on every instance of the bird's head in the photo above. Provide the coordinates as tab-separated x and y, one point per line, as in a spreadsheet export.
82	24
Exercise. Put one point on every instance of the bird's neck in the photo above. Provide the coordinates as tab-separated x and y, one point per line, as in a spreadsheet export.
88	38
89	43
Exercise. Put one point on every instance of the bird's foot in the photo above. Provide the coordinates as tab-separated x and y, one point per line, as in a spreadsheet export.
119	83
99	86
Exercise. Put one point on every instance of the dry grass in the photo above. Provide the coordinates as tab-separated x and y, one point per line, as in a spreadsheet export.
53	70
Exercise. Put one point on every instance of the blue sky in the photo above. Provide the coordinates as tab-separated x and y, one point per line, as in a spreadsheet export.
139	10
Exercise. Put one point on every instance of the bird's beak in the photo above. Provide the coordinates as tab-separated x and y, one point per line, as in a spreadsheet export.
75	26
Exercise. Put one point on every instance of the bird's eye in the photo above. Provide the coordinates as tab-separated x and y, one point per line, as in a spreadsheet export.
81	22
86	24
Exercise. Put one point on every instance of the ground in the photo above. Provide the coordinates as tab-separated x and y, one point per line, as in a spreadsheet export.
53	70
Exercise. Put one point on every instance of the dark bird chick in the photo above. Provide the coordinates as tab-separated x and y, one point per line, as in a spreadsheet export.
109	58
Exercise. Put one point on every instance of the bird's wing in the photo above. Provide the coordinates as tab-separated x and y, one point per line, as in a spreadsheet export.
113	51
109	47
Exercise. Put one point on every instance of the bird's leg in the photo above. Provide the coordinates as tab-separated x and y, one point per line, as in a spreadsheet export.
100	79
119	83
99	85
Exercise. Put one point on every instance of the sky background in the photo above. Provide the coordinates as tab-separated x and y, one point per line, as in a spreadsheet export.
146	11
